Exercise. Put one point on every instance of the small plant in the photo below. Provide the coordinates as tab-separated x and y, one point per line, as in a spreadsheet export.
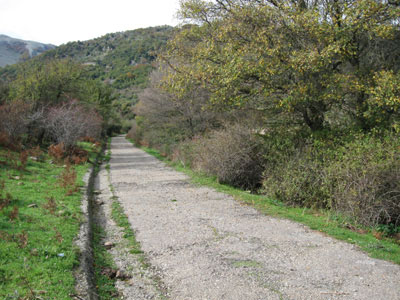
78	156
50	205
67	179
4	139
37	153
11	159
58	236
23	159
5	200
22	239
14	213
57	151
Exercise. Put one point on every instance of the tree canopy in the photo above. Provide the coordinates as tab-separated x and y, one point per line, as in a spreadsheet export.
310	59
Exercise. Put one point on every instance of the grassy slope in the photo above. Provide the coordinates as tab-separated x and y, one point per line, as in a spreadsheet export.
36	248
323	221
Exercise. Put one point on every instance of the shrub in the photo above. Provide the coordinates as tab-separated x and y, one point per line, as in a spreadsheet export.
71	121
233	155
298	180
135	133
14	120
359	177
366	178
57	152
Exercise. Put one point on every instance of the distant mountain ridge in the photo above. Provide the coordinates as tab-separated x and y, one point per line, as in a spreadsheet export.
14	50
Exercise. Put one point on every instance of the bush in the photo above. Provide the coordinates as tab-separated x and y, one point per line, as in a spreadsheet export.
67	123
233	155
359	177
14	120
366	179
298	180
135	133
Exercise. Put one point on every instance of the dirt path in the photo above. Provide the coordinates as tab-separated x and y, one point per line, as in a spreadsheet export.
205	245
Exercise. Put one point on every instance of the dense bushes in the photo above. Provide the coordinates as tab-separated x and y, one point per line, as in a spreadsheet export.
349	171
52	102
358	177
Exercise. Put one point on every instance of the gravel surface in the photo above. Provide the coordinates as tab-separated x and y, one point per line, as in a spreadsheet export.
139	281
205	245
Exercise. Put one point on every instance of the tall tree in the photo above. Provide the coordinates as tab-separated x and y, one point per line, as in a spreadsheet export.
302	57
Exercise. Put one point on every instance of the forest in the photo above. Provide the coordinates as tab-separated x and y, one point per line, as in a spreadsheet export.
297	100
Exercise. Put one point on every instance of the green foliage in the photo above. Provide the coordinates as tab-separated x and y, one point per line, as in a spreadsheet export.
107	72
301	58
357	176
123	60
48	83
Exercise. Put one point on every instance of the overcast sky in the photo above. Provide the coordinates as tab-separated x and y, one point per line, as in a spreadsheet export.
60	21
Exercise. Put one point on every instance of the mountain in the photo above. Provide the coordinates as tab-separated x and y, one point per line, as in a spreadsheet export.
124	60
14	50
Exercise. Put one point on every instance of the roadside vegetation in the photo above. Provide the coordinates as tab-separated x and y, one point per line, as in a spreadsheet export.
52	117
294	101
40	216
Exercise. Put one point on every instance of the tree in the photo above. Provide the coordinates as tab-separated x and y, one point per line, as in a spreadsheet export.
48	83
170	118
302	57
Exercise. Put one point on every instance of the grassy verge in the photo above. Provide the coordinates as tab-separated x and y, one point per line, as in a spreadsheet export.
331	224
39	220
102	259
103	262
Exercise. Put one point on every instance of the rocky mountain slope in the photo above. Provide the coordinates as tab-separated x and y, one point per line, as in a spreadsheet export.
14	50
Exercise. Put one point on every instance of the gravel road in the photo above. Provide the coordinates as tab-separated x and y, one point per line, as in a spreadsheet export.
205	245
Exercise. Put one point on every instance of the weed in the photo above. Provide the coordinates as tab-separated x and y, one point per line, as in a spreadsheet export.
58	237
23	159
67	179
37	154
50	205
22	239
57	152
13	214
5	201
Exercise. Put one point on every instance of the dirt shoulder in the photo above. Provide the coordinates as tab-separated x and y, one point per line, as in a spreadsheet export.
205	245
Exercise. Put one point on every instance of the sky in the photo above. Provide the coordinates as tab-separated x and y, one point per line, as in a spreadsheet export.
60	21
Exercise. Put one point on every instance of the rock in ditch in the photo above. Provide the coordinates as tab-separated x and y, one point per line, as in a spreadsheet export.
109	245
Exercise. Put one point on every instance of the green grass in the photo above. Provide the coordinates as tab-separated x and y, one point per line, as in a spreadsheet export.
324	221
105	286
37	252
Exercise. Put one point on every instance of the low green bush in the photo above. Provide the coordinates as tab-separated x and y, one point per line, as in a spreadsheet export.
358	176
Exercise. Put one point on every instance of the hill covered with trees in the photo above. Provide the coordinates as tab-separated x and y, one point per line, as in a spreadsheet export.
122	61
